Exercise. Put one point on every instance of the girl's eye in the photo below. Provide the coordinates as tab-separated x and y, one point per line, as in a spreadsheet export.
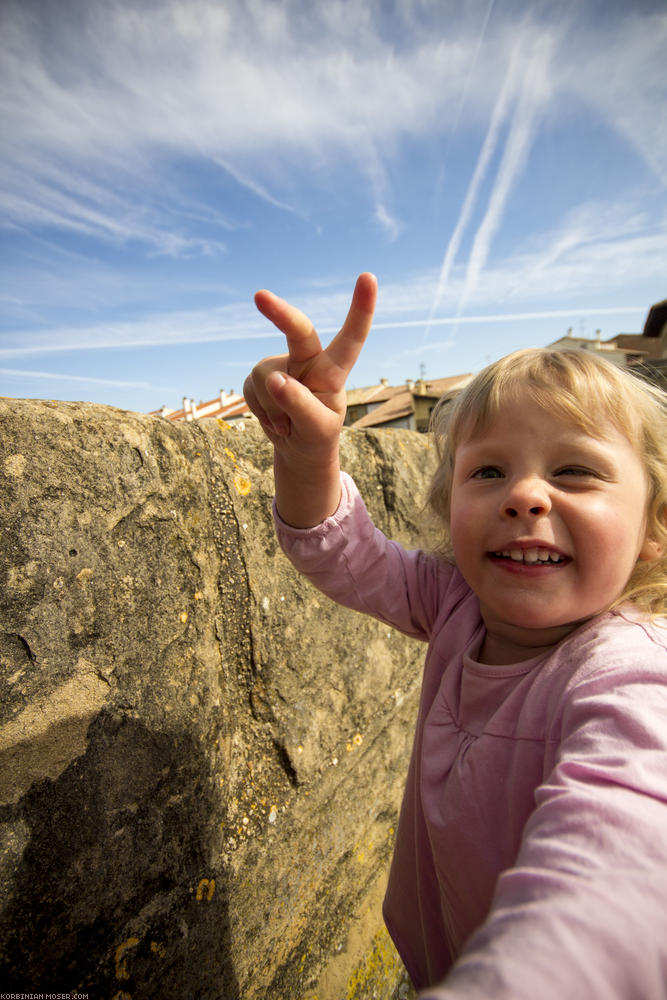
574	470
487	472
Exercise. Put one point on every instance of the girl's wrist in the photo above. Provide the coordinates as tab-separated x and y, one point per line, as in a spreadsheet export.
307	492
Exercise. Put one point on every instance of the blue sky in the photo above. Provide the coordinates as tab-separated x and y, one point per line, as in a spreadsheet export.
501	166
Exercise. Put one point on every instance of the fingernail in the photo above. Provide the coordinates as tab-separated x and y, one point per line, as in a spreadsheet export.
275	381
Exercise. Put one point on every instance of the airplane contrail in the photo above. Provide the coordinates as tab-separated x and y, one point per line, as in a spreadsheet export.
466	86
498	117
507	317
522	131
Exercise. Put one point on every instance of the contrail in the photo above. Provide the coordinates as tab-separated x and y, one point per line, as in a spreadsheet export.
499	115
505	317
466	86
517	148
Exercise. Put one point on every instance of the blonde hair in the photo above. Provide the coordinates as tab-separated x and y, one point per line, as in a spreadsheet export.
584	388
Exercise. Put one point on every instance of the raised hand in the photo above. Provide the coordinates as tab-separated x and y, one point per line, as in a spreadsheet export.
299	398
301	394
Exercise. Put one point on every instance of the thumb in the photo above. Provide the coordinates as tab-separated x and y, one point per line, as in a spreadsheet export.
300	409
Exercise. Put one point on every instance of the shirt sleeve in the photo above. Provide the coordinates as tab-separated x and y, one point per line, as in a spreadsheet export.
352	562
583	913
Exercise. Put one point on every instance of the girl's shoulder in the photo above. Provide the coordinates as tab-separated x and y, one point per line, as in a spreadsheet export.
618	638
614	649
628	630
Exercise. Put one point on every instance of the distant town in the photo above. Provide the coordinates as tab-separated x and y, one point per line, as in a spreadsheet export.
409	405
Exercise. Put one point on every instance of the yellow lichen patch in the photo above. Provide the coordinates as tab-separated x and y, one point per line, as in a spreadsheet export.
240	482
242	485
183	617
205	889
381	965
223	425
120	957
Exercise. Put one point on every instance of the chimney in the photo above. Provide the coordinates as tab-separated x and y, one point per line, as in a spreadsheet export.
189	408
384	382
410	384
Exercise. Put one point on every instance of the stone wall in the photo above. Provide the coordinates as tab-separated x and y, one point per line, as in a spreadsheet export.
201	757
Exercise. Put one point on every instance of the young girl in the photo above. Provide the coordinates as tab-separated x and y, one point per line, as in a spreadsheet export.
531	854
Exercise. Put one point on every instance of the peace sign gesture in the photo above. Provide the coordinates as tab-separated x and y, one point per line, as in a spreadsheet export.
299	399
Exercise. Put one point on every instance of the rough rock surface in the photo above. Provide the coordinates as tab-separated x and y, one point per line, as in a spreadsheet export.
201	758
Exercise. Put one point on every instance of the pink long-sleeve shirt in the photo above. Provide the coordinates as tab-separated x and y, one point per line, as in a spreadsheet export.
531	853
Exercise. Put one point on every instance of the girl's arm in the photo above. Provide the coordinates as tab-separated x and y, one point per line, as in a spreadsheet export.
299	399
583	912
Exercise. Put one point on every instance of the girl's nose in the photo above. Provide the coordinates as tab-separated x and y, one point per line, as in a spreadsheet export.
526	497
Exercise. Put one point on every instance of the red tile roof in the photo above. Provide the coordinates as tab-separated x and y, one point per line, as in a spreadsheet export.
235	408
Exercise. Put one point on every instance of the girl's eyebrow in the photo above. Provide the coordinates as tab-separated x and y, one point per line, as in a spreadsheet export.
579	447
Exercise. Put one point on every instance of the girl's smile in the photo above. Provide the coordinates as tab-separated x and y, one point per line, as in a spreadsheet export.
547	524
533	556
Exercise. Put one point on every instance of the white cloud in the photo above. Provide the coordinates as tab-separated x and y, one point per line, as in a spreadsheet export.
29	374
269	92
568	272
622	76
600	253
231	323
286	98
387	222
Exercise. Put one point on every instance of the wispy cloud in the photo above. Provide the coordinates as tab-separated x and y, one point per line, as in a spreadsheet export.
166	330
570	268
256	188
276	94
116	115
622	77
28	374
387	222
598	253
122	91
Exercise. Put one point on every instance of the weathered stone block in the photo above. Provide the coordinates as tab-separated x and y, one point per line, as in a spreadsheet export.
201	758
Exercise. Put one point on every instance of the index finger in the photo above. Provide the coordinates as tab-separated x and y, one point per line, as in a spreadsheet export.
303	343
346	346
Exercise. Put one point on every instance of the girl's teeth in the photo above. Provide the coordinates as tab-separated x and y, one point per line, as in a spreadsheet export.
531	555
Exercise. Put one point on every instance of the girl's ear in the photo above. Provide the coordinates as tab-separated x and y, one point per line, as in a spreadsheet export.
650	550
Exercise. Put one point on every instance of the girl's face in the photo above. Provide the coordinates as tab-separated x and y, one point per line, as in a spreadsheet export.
547	524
